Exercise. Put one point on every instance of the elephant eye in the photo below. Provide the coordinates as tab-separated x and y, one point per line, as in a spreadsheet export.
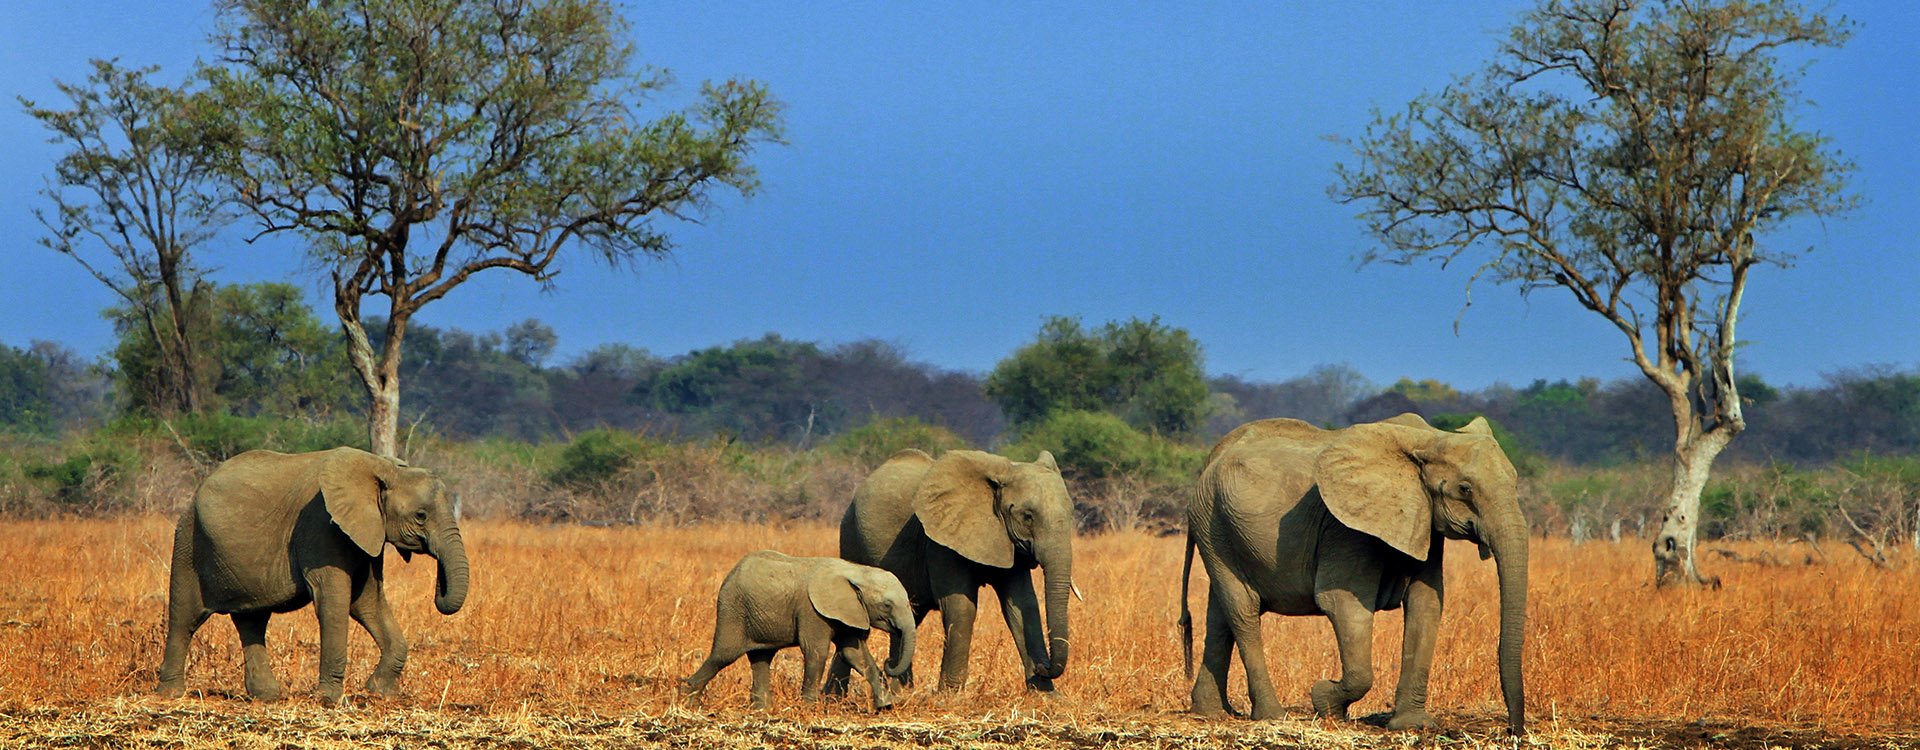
1466	489
420	515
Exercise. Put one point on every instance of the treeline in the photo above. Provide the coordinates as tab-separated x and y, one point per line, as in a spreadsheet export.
272	356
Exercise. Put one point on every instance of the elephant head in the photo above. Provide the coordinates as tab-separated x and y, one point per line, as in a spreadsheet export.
377	501
1003	514
1404	482
862	597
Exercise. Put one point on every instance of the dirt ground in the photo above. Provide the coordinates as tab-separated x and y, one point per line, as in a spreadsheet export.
235	723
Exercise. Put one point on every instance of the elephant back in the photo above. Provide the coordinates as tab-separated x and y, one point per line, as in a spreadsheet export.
882	507
243	518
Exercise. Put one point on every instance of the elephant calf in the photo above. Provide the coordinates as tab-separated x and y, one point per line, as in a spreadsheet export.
770	601
269	532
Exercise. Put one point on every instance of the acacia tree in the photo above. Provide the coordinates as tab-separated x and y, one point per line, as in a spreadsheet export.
415	143
131	198
1635	154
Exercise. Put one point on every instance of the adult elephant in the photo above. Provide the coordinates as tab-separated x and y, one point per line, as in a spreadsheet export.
1296	520
269	532
967	520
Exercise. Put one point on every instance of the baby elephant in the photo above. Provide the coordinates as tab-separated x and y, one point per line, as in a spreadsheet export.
824	605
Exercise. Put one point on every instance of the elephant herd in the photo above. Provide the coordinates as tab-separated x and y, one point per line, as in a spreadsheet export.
1287	518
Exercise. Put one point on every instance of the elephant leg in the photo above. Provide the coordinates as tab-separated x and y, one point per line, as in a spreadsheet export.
1239	607
956	613
854	653
1021	608
371	611
815	650
762	661
837	677
332	600
729	644
1423	604
717	660
185	614
1210	683
1353	632
262	685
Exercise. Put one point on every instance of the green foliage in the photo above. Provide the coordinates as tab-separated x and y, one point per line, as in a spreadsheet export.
1525	460
1148	373
872	443
596	456
88	476
1100	445
512	135
1425	391
26	401
132	198
764	389
261	351
219	436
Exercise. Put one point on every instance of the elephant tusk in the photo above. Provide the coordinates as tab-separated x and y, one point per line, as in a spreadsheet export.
1076	591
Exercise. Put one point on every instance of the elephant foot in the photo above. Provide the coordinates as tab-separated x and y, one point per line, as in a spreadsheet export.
331	696
1267	712
1329	700
266	690
171	688
1411	719
383	686
882	703
1039	684
760	703
1206	711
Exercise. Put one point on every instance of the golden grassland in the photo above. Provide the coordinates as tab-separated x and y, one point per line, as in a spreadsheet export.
576	636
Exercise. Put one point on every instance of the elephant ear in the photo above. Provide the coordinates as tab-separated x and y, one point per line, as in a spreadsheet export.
1370	480
1408	419
836	597
955	502
1478	426
351	482
1046	460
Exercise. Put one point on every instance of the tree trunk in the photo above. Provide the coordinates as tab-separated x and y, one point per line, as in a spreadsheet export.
1673	548
380	377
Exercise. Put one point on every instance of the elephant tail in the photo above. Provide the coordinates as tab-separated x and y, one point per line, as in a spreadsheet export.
1186	615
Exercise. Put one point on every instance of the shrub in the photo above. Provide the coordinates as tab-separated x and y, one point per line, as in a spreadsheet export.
217	437
872	443
88	477
595	456
1099	445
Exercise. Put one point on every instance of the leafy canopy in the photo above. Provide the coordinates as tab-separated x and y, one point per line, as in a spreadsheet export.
1145	371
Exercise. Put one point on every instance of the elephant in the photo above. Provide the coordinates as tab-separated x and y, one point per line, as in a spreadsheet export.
826	606
969	519
1296	520
269	532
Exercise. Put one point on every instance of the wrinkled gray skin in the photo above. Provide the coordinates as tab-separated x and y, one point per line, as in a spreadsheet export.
1296	520
826	606
269	532
968	520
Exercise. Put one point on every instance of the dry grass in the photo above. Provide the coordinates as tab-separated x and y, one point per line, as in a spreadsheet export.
576	636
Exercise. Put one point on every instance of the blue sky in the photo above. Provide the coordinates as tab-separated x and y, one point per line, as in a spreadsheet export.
959	171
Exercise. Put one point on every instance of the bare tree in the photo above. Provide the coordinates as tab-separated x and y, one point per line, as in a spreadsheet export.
1634	154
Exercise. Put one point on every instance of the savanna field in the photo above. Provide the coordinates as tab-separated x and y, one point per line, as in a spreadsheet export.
575	636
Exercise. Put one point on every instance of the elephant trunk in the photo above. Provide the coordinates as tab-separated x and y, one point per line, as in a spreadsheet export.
1058	576
450	590
900	656
1509	547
